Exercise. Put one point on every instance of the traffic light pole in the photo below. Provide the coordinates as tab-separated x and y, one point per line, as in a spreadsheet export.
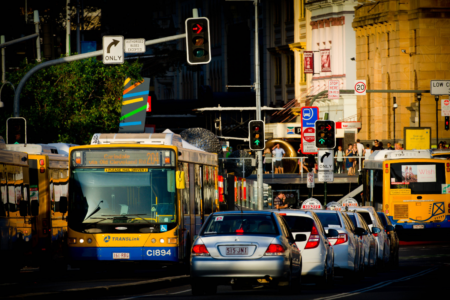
259	172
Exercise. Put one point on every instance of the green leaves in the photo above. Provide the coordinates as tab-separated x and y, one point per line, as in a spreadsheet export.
69	102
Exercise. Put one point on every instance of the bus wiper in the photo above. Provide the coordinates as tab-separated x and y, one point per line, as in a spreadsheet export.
102	219
95	210
126	215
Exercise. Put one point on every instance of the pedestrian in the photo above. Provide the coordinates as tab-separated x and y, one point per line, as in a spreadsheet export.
367	151
355	154
441	145
267	161
349	161
360	147
279	201
376	146
278	153
397	146
339	160
301	162
311	163
380	146
389	146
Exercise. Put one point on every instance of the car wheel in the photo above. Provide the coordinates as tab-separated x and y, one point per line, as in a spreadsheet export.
211	289
331	277
197	288
323	280
362	269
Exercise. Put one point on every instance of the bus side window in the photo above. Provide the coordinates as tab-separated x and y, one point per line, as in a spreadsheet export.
378	190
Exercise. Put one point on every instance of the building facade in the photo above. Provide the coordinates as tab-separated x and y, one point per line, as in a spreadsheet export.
401	45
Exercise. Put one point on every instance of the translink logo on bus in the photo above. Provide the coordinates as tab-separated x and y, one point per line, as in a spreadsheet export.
120	239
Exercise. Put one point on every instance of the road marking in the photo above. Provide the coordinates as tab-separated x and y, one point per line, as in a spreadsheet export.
153	295
377	286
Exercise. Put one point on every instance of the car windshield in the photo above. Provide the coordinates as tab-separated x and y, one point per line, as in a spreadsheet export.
299	224
366	217
382	218
329	219
353	219
136	196
240	224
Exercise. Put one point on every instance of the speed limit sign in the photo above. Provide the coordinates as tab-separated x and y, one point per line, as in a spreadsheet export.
360	87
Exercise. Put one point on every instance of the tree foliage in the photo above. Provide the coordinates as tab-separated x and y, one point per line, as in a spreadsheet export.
70	102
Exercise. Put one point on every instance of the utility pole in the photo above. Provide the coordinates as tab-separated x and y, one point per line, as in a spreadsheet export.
259	173
38	39
436	98
2	41
68	27
78	28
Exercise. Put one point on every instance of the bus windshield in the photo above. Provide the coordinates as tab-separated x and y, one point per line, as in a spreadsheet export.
132	195
419	178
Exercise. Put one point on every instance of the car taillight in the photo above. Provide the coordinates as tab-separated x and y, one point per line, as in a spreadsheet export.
314	239
200	250
274	249
342	238
375	234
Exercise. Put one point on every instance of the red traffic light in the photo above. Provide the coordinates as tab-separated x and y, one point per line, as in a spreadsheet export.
197	28
256	128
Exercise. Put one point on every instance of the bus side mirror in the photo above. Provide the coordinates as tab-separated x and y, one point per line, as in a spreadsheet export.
63	204
23	208
181	183
34	208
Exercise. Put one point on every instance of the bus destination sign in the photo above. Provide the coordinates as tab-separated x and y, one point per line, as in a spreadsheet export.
122	158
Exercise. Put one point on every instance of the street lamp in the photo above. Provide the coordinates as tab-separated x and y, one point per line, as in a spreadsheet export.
394	107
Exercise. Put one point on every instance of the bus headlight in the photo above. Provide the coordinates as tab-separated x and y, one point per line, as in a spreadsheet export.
172	240
161	241
89	241
81	241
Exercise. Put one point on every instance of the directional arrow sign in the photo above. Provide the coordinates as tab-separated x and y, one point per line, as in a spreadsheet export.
257	142
321	141
197	28
113	49
329	127
326	160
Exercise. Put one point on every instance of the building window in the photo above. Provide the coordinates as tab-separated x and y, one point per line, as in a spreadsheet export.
368	47
387	45
290	69
277	70
289	10
302	9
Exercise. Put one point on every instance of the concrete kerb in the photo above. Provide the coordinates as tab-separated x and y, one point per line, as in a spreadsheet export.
134	288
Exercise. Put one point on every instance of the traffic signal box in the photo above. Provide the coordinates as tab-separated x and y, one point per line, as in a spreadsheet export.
198	46
16	131
446	123
325	134
256	132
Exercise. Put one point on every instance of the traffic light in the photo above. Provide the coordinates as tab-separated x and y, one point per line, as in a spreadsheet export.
198	46
325	134
256	131
446	123
16	131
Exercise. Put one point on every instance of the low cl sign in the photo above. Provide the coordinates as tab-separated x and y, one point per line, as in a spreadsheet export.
440	87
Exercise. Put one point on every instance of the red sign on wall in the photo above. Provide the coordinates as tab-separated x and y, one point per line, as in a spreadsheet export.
308	62
325	60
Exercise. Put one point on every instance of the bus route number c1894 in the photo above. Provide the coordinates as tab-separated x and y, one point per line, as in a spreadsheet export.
157	252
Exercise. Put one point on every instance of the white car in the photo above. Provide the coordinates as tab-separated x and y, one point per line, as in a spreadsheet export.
347	247
317	252
370	246
384	247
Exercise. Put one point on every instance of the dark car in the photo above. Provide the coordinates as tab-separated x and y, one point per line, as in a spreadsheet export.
395	242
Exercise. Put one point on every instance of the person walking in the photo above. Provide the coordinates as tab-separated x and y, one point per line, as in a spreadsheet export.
301	162
267	161
349	161
339	160
389	146
360	147
278	153
355	154
367	151
376	146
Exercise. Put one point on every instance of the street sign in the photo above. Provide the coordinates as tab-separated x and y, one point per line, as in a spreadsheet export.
334	206
333	89
445	107
350	202
113	49
310	181
360	87
440	87
326	160
312	203
135	46
325	176
309	115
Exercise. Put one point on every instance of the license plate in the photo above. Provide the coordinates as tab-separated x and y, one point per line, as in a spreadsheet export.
121	255
237	250
418	226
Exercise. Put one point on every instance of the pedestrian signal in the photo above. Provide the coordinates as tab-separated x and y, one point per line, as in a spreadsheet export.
198	46
446	123
256	133
16	131
325	134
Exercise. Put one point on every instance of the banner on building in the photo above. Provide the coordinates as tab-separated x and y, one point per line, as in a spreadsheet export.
308	62
325	60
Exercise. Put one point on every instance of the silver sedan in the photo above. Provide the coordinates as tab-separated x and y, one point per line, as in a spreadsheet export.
244	249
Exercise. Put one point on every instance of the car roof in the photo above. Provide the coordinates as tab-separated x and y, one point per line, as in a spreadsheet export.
235	212
323	211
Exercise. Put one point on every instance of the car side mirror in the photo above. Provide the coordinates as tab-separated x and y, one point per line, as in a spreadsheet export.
332	233
34	208
360	231
63	204
23	208
390	228
300	237
376	230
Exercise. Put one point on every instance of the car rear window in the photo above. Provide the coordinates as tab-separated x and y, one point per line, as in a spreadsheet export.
240	224
353	219
366	217
329	220
382	218
299	224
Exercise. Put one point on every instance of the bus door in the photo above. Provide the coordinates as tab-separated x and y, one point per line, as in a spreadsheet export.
197	213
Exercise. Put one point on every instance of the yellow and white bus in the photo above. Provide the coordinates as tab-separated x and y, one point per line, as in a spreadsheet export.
138	197
49	176
410	187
